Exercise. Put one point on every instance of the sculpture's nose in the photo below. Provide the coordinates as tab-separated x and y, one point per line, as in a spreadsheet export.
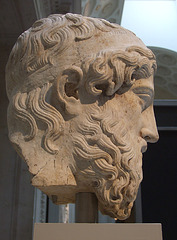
151	136
149	130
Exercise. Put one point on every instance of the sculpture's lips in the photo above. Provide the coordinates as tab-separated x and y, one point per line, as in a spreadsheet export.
144	146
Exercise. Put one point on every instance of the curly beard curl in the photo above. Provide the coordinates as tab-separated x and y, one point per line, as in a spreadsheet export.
104	158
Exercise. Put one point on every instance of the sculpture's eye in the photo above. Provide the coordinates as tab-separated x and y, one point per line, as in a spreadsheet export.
146	101
146	96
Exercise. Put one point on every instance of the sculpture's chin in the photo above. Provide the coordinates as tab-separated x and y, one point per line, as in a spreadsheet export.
117	212
121	207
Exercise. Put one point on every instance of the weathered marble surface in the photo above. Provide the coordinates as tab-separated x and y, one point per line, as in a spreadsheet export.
80	111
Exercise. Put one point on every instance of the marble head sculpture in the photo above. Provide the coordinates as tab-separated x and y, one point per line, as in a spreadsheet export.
80	111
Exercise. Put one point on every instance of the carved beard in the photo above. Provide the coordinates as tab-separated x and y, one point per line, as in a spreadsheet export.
106	160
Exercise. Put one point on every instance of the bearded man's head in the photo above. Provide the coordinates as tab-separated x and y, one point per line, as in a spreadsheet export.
80	112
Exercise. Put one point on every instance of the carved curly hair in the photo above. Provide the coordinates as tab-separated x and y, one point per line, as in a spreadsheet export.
34	65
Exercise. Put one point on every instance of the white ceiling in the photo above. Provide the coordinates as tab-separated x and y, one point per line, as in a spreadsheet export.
155	22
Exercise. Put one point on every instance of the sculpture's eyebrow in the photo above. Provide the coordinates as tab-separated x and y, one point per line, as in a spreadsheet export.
144	90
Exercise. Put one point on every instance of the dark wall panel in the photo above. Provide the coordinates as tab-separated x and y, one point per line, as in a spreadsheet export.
159	187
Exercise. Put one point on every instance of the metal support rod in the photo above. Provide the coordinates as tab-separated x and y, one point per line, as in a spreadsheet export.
86	208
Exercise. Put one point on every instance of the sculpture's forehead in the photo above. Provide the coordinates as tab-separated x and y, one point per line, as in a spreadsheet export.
145	83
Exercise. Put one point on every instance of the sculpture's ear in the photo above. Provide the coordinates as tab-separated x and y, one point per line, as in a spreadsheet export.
67	86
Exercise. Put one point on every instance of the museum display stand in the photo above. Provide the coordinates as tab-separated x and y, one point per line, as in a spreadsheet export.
87	228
